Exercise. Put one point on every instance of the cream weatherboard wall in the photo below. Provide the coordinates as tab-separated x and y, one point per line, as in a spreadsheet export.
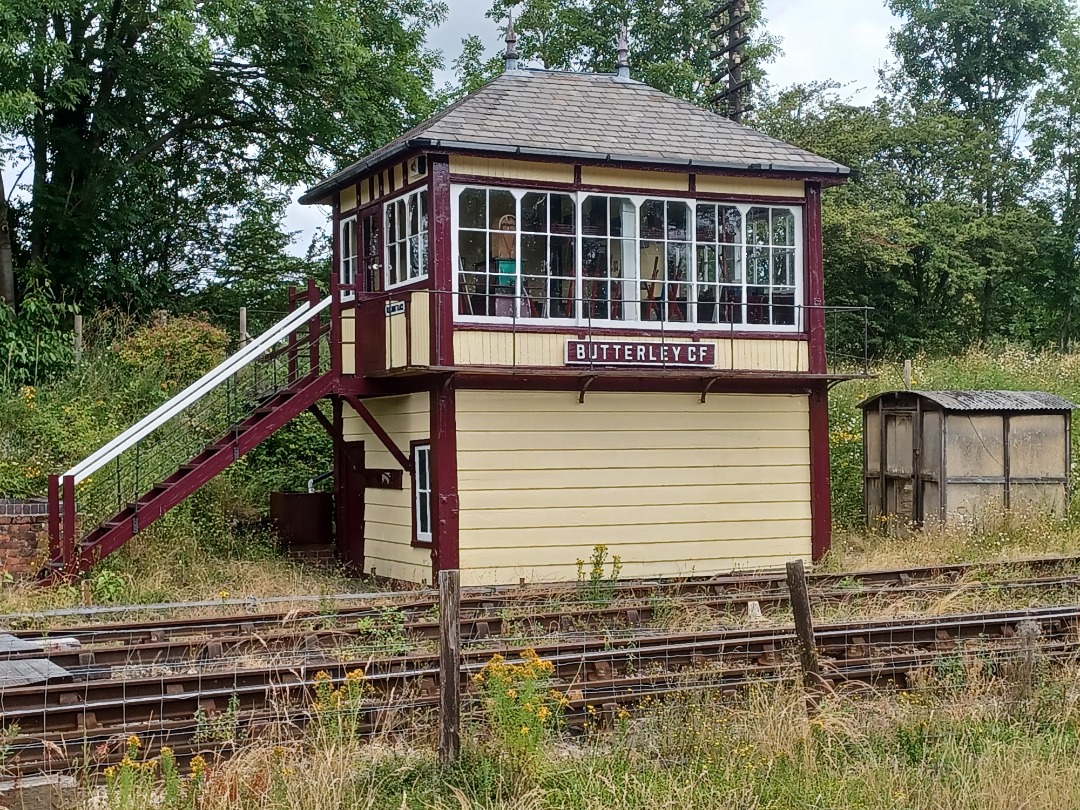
505	348
388	549
671	485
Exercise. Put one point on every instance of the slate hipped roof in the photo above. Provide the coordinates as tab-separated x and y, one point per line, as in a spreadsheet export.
589	117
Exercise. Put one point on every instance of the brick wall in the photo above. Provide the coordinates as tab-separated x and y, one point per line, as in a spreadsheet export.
24	544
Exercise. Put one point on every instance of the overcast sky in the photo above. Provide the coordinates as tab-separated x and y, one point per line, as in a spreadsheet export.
843	40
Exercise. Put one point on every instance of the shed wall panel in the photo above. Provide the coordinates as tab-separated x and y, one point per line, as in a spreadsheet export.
1042	498
872	441
1037	446
348	198
669	484
974	447
930	459
388	512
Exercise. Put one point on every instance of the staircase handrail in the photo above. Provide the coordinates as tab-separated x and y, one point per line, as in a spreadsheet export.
194	392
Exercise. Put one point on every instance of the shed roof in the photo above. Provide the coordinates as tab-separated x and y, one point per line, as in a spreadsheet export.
589	116
986	400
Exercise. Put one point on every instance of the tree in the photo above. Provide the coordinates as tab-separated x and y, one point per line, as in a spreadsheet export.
981	59
149	125
670	42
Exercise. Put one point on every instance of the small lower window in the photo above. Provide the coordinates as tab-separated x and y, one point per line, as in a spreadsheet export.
421	461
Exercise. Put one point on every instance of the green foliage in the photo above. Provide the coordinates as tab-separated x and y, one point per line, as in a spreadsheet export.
36	343
176	350
595	586
220	727
149	126
338	712
378	636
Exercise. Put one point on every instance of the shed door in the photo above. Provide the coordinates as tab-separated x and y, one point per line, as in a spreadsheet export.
899	451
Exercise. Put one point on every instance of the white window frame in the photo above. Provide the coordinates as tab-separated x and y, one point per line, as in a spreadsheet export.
421	466
391	240
348	265
633	305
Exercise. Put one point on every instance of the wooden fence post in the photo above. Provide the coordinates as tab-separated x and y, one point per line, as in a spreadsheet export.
449	665
907	375
243	327
804	623
78	338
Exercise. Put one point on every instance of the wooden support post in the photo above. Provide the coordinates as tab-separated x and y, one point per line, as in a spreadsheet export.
78	338
804	623
243	327
907	375
449	665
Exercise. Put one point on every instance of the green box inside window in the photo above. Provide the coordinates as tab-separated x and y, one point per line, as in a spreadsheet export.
505	270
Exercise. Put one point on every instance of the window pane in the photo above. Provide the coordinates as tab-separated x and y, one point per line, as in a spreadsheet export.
678	219
730	263
623	217
562	256
784	267
533	255
414	256
678	261
423	210
757	305
422	468
730	225
414	214
472	207
402	223
706	263
758	270
652	219
783	310
503	211
423	513
594	257
391	222
534	217
402	261
757	226
561	208
652	277
707	308
706	222
423	267
731	304
594	216
783	227
472	281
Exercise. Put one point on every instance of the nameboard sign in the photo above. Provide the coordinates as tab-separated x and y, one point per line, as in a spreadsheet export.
383	479
395	308
639	353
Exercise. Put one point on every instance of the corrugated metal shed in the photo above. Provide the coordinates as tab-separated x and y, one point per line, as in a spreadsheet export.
964	455
989	400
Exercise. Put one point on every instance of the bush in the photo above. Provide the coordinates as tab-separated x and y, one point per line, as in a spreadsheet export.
33	345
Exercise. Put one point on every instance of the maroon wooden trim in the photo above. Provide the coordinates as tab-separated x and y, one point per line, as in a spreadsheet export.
444	480
413	541
825	178
608	381
638	191
820	496
56	548
67	541
349	490
582	332
442	263
815	278
379	431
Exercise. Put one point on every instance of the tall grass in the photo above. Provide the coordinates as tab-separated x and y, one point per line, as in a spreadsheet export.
963	739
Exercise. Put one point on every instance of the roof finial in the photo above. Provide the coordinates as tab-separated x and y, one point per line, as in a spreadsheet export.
623	63
510	58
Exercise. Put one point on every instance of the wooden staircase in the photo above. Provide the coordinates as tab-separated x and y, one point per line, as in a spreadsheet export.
241	402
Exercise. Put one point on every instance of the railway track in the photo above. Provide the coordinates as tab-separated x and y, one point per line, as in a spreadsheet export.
63	724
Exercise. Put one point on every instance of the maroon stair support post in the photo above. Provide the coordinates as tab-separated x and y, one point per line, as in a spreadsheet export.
443	403
820	498
68	544
313	327
56	548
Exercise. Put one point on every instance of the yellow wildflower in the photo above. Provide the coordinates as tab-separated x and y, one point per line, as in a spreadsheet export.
524	729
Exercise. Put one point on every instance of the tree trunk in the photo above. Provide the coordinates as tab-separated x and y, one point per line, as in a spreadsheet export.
7	268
